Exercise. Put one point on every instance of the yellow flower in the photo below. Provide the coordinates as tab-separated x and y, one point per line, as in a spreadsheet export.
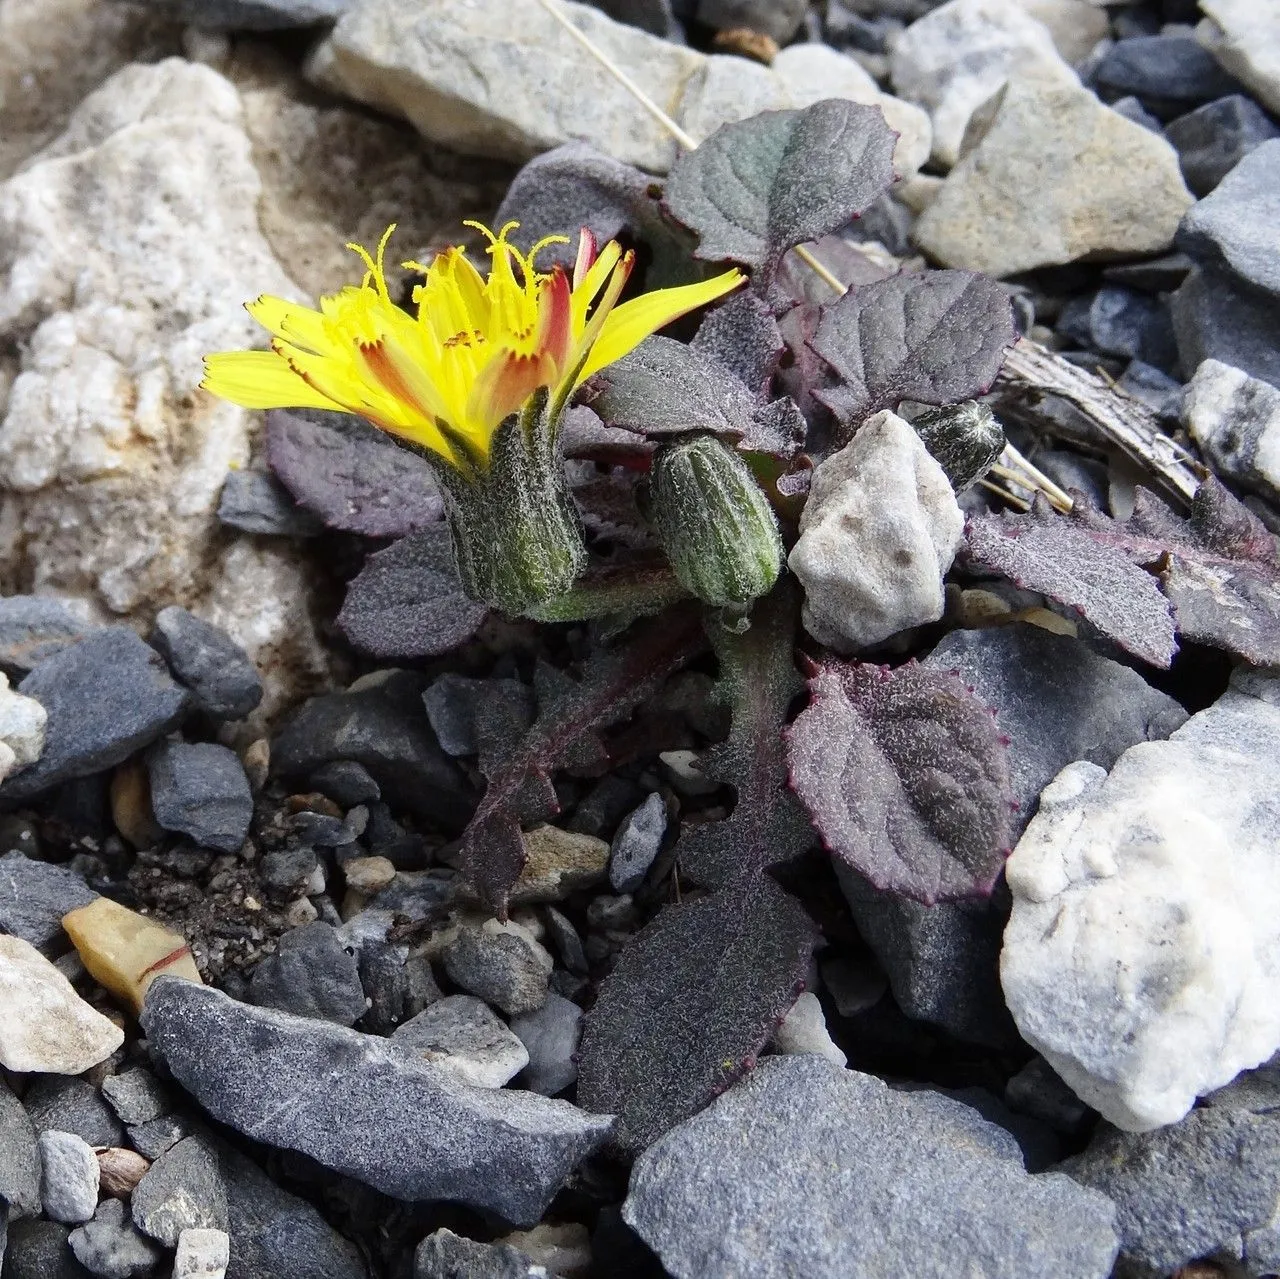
476	350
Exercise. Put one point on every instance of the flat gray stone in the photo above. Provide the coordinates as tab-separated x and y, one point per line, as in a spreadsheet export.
68	1177
1216	317
199	789
222	679
1235	225
19	1158
1056	700
1208	1186
444	1255
256	502
106	697
1235	419
551	1035
111	1247
808	1169
73	1105
39	1250
183	1189
33	627
312	975
503	964
34	896
1213	139
137	1096
251	15
636	844
406	1128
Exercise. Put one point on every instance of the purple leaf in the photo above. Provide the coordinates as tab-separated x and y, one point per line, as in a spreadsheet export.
1071	564
561	191
906	778
407	602
937	337
1219	572
742	334
756	188
607	504
519	764
353	476
667	388
692	1000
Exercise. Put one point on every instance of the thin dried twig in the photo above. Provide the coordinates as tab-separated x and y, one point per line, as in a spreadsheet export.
1033	372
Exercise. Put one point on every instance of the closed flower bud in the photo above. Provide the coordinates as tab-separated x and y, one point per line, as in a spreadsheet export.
715	523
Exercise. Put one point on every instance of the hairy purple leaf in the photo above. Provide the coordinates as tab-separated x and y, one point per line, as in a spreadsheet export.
742	334
667	388
693	999
1072	565
407	601
756	188
576	186
607	504
906	777
350	474
759	680
1219	571
934	336
584	437
519	764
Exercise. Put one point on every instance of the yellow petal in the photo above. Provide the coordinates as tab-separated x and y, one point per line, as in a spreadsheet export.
629	324
297	324
261	380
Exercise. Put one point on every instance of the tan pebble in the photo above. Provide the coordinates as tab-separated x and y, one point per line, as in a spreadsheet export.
557	863
125	951
120	1170
368	874
256	761
131	805
747	43
313	802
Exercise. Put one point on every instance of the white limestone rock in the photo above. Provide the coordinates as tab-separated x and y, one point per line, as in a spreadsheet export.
1244	36
1235	419
44	1025
878	532
804	1030
1075	26
22	721
1143	952
491	78
463	1035
961	54
1056	177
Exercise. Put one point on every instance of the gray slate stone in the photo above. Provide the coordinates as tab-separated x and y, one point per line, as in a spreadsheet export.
1235	225
156	1136
39	1250
137	1096
19	1158
71	1104
636	844
345	782
382	725
1167	72
109	1246
503	964
463	1035
1203	1187
68	1177
1056	700
405	1128
34	896
200	790
1215	317
453	703
33	627
222	679
943	961
444	1255
856	1181
1213	139
311	975
184	1188
276	1235
550	1035
256	502
252	15
106	697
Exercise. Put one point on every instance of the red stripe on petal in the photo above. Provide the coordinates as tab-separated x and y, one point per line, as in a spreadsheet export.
555	318
505	383
587	253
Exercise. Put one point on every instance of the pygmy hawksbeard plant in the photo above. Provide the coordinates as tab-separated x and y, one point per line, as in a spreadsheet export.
477	380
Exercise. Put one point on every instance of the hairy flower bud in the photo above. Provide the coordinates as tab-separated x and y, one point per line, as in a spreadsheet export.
715	523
